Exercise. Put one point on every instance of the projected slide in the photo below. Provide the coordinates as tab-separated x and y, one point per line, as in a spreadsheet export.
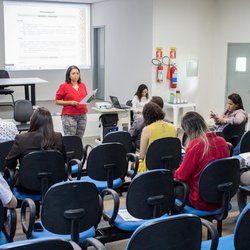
46	35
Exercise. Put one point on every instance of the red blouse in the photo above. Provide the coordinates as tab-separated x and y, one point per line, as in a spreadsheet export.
193	164
66	92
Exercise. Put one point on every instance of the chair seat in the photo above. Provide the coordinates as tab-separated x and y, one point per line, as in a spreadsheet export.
6	91
3	239
128	225
103	184
191	210
21	196
45	233
225	243
23	127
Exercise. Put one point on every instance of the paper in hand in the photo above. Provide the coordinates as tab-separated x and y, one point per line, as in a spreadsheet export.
89	97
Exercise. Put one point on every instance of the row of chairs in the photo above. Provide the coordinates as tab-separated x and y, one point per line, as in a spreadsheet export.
150	195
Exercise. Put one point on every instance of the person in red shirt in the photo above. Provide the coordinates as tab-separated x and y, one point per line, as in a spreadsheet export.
203	147
69	95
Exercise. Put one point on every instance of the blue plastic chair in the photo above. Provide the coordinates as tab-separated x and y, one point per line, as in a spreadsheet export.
218	183
176	232
240	239
70	210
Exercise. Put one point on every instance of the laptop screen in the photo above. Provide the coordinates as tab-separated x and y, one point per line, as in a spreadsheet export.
115	101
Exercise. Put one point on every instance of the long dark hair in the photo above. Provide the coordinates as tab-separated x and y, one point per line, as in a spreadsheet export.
140	90
41	122
68	80
152	112
236	99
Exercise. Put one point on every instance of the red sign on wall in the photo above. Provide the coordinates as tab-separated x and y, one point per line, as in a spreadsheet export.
172	53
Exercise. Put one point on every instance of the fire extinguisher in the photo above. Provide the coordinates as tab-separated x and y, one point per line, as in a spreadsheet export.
159	74
173	76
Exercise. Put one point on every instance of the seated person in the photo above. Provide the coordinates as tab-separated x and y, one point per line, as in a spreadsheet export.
202	148
138	124
156	128
241	195
234	114
41	136
8	131
140	99
7	198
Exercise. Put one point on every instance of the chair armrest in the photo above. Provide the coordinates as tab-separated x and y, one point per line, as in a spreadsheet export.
10	224
116	200
94	243
79	168
184	185
131	157
212	232
27	229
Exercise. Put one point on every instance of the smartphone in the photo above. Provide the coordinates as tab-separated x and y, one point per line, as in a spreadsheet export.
38	227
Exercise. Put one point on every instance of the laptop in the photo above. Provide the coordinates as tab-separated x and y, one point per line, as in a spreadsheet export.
117	104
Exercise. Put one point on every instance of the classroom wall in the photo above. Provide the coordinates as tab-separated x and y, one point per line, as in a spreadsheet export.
128	44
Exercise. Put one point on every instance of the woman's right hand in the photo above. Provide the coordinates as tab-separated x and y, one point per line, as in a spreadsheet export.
74	103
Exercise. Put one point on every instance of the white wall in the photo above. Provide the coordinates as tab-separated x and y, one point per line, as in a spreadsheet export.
128	44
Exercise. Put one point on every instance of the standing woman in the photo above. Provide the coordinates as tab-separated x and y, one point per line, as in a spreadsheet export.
140	99
69	95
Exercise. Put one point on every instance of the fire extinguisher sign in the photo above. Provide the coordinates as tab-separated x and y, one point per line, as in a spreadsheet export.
172	53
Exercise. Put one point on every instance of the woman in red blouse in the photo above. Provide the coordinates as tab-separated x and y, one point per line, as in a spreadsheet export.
203	147
69	95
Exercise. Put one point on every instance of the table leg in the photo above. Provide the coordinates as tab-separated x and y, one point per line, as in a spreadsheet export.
26	92
33	94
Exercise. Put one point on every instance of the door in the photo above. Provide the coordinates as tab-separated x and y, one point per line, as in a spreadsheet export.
238	80
99	61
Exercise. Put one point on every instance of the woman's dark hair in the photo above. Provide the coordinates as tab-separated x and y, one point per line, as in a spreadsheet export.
152	113
158	100
140	90
236	99
41	122
68	80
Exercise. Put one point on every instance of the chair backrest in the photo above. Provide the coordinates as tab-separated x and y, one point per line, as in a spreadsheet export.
4	74
2	216
219	175
176	232
41	169
71	197
233	133
245	142
73	146
23	110
107	162
129	103
241	230
4	150
122	137
164	153
41	244
151	194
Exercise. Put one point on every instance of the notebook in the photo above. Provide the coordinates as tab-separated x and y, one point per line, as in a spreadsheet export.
117	104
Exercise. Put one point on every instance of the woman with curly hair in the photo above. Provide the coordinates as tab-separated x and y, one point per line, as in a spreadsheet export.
156	128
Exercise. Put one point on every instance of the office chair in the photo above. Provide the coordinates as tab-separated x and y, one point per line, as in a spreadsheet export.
233	133
240	239
70	210
245	142
176	232
107	166
41	244
218	183
150	195
5	91
8	221
23	110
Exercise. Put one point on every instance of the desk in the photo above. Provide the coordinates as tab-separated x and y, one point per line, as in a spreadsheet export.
176	110
123	115
27	83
